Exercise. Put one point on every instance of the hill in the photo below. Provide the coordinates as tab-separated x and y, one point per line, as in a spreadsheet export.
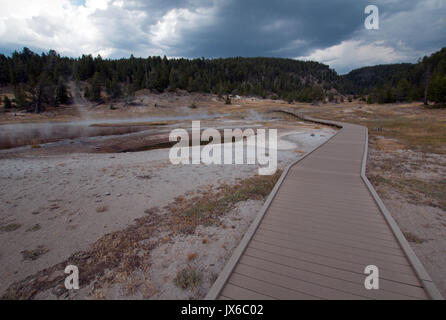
425	80
41	80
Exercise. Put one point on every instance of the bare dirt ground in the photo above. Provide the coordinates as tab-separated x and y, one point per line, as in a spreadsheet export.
137	226
407	166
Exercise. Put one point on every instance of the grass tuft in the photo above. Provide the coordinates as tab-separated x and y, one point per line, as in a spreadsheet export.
10	227
413	238
188	278
35	227
34	254
101	209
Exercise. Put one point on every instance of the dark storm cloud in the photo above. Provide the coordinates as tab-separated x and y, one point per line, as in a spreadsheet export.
330	31
282	28
420	25
275	28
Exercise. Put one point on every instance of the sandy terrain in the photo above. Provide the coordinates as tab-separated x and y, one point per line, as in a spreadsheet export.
62	205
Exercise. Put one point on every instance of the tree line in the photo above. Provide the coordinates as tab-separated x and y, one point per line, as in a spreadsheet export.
42	80
422	81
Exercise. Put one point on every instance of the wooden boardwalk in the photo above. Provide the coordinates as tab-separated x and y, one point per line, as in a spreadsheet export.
321	226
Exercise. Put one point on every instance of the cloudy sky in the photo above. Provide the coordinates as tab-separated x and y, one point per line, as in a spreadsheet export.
330	31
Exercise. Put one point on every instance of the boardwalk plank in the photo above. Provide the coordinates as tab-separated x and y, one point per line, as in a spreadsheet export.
239	293
270	289
257	257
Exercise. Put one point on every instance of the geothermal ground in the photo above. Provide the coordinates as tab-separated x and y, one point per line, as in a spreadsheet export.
93	186
96	189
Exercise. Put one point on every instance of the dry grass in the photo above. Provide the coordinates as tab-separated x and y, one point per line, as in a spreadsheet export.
431	193
151	210
192	256
34	228
101	209
413	238
10	227
187	214
423	134
414	126
188	278
118	252
34	254
387	145
125	251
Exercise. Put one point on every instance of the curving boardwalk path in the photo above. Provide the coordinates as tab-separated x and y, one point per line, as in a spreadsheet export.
321	226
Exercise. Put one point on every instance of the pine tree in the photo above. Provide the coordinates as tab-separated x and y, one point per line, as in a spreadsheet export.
437	89
62	93
87	93
129	92
20	97
7	103
114	88
94	91
317	93
42	93
402	90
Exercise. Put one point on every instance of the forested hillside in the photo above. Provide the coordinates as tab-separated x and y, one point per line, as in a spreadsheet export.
400	82
42	80
362	81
